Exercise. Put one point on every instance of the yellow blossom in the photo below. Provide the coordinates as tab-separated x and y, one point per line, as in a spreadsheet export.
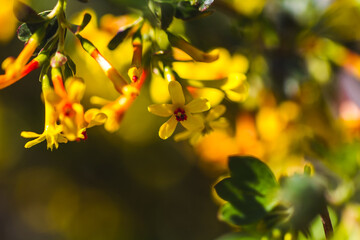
212	121
178	111
52	131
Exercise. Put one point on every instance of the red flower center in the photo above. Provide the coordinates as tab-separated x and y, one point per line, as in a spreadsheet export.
180	114
68	111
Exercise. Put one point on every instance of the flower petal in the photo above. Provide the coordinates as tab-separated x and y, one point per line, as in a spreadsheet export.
26	134
176	93
167	129
197	105
75	88
35	141
162	110
94	117
220	123
215	113
183	135
192	123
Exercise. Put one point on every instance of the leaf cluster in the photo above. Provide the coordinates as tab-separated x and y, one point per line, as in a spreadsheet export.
258	203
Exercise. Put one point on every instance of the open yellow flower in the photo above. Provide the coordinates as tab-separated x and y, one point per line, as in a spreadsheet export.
212	121
178	111
52	131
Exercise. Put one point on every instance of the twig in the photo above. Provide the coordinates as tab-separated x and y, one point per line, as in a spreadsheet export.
326	221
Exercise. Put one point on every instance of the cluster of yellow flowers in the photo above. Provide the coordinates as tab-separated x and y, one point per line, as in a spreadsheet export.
191	95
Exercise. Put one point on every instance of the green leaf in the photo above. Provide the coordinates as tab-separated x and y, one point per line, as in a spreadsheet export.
252	175
306	196
186	11
78	28
204	4
192	51
167	15
25	30
122	33
71	64
118	38
25	13
251	191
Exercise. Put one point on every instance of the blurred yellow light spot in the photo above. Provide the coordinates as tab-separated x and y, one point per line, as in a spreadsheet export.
249	8
320	69
289	111
8	21
216	147
247	138
288	236
269	123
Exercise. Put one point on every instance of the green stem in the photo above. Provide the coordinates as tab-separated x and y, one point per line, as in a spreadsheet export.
61	22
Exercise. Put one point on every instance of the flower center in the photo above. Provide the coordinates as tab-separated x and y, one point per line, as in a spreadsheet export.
68	111
180	114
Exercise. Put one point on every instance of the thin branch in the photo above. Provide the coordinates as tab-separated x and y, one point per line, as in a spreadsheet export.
326	221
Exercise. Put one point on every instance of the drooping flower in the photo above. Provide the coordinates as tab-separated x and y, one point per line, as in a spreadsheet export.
52	131
178	111
212	121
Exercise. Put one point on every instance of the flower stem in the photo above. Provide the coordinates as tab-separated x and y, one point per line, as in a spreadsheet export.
326	221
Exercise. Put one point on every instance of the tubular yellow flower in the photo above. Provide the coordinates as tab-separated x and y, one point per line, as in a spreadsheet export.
136	70
178	111
113	110
66	100
15	69
52	131
119	82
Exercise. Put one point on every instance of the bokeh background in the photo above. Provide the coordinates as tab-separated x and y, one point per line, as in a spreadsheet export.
302	64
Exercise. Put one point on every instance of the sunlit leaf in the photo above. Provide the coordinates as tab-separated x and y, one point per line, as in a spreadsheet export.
192	51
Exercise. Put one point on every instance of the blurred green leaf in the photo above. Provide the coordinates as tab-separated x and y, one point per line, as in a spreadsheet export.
339	21
167	15
25	13
122	34
78	28
297	191
192	51
239	236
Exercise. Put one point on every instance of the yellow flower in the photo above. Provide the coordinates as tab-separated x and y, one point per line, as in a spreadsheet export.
52	131
212	121
178	111
112	110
